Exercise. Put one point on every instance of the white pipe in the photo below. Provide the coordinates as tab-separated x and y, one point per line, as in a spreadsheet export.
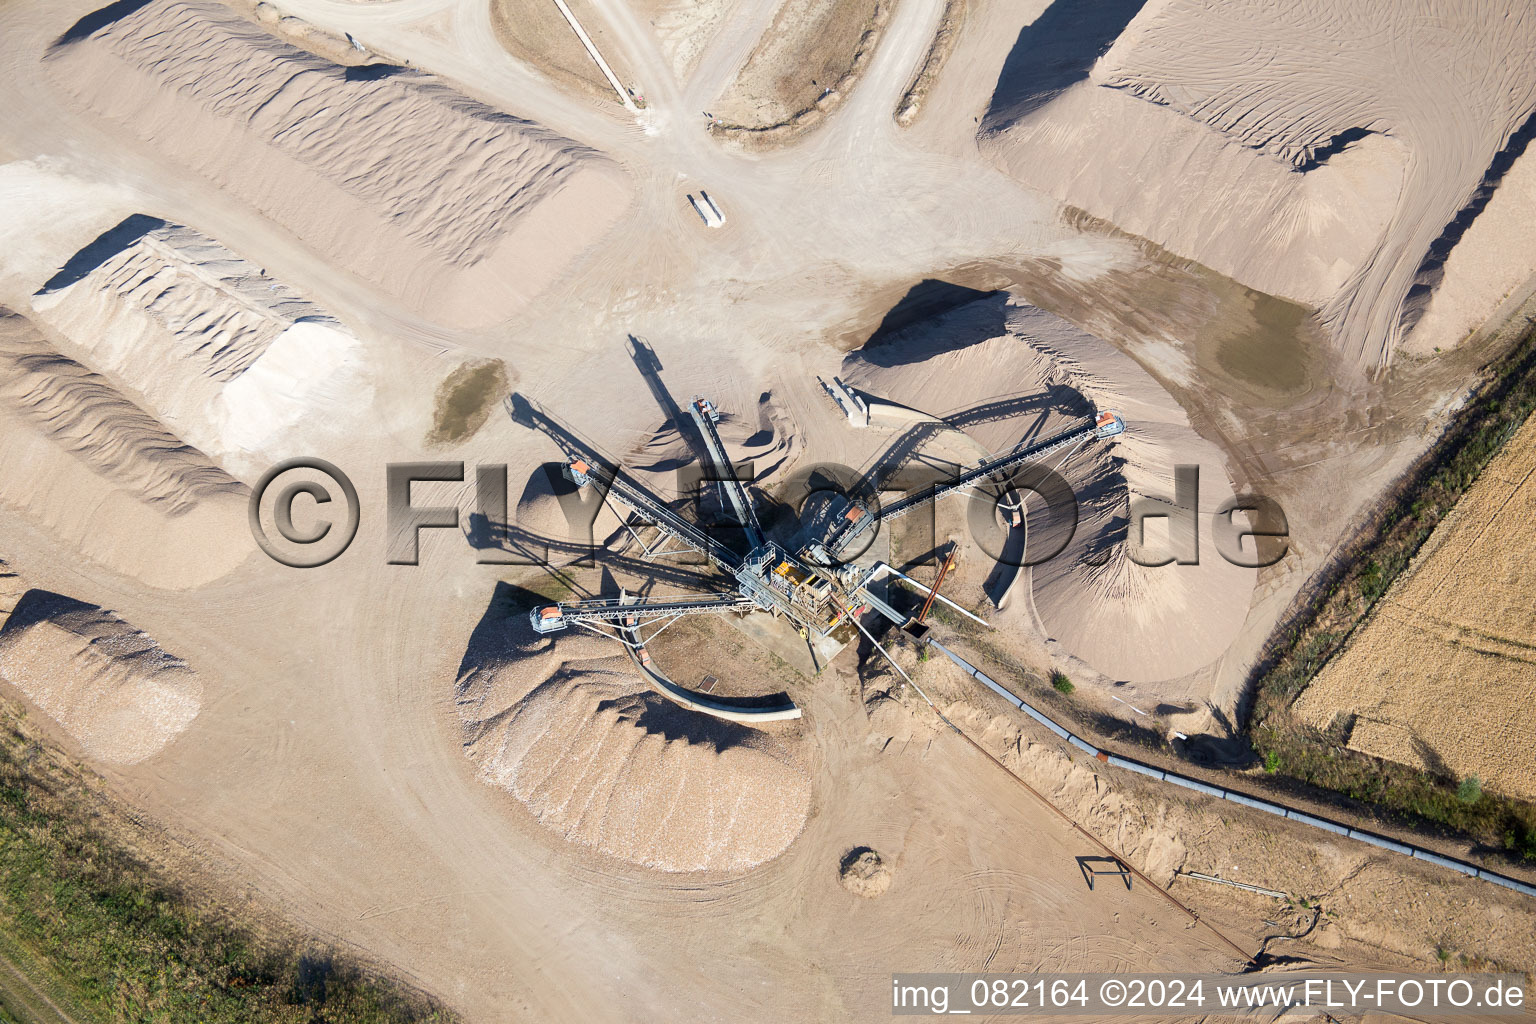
602	65
941	597
657	633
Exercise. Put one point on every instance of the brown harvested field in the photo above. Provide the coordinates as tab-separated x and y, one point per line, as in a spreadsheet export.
811	47
1442	675
535	32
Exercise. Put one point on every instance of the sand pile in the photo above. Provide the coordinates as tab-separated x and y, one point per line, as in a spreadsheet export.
763	435
109	685
1003	370
103	476
568	728
1490	262
230	358
1133	622
83	413
1331	148
461	211
828	46
863	873
761	441
538	35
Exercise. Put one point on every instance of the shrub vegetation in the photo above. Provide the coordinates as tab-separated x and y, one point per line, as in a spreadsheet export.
110	937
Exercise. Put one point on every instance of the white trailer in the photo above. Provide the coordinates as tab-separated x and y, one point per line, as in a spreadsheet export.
707	209
849	403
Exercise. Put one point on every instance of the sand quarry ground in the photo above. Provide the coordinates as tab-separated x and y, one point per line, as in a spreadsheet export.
1270	236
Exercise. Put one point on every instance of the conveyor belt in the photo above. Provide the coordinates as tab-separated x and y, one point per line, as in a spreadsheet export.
620	488
612	610
990	467
725	474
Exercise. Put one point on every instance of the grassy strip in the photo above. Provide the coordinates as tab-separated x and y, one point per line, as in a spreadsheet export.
1318	758
111	938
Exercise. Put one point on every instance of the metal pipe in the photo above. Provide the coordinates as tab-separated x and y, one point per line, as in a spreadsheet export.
941	597
1236	885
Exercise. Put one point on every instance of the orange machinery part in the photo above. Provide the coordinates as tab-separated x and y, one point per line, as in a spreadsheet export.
932	593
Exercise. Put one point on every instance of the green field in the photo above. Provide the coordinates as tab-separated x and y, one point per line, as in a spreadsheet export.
91	931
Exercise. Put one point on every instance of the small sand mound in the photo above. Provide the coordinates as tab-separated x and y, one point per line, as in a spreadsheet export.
463	212
567	728
109	685
229	357
863	873
83	413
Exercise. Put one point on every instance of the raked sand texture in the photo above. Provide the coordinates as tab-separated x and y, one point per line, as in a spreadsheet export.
1450	79
460	210
97	471
1335	143
569	729
82	412
231	359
